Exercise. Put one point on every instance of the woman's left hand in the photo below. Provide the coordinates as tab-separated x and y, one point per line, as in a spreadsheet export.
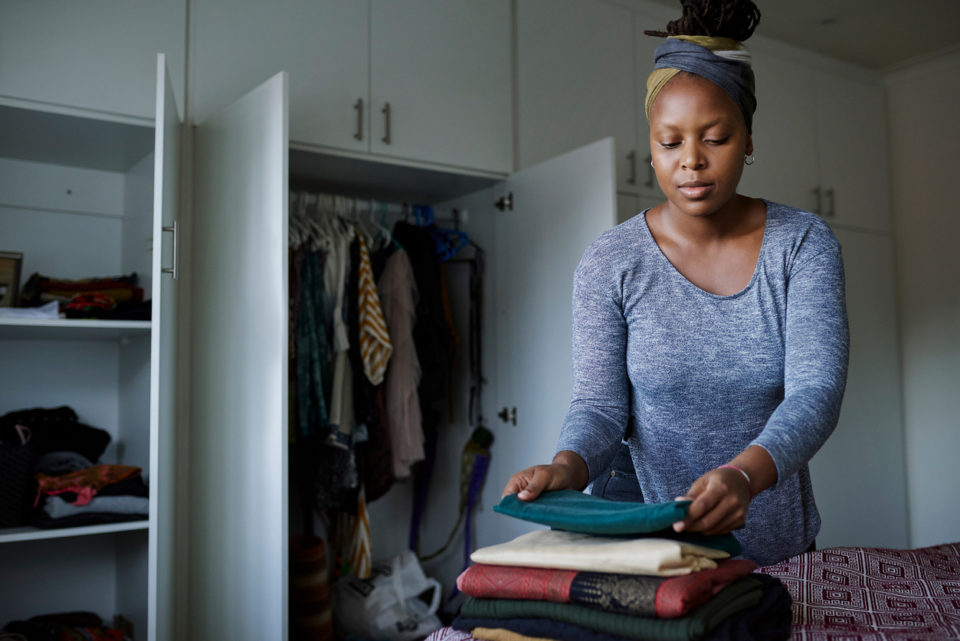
720	501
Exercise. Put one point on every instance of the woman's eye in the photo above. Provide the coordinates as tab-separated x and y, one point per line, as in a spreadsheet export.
718	141
669	145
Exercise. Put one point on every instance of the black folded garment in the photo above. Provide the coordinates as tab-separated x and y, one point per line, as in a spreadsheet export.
55	429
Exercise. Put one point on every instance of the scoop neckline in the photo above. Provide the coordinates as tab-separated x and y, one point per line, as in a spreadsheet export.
756	268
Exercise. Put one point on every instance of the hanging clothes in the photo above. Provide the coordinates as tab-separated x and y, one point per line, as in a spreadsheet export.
398	296
375	346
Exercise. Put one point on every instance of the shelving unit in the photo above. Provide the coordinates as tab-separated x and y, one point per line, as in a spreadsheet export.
81	196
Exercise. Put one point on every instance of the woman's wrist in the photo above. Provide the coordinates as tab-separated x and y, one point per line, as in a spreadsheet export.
743	473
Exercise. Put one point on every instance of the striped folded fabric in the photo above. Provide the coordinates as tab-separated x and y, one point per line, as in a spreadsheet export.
613	592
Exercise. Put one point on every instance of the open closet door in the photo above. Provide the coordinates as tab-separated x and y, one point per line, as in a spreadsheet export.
559	207
237	440
163	341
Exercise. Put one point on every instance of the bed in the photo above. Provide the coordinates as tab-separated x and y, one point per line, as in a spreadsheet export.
863	594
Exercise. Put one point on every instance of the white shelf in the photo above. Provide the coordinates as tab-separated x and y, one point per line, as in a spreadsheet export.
12	535
66	329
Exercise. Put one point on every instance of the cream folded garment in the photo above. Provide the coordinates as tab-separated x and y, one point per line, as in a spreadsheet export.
575	551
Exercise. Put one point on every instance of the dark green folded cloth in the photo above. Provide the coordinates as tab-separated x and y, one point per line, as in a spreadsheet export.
741	594
578	512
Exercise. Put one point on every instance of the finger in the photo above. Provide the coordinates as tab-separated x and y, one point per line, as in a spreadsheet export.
729	525
517	482
725	514
538	482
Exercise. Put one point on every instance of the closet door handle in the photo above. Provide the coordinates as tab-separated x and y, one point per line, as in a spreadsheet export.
650	176
359	107
819	206
386	123
176	251
632	157
831	209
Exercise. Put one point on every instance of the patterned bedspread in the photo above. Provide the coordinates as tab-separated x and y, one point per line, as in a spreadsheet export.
874	594
863	594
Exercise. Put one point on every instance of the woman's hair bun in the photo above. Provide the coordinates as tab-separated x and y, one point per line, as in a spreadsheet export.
718	18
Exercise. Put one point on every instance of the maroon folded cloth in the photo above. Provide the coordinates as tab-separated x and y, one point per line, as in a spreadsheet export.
654	596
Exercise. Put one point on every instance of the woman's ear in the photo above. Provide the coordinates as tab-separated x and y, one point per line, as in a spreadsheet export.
749	150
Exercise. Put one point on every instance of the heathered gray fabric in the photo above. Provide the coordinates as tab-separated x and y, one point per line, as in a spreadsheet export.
690	379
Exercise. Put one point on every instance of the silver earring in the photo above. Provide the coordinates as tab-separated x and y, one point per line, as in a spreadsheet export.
651	163
749	160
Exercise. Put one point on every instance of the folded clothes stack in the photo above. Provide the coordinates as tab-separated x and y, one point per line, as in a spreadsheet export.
613	570
59	480
110	298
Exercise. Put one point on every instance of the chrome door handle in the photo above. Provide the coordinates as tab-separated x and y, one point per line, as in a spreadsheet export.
359	107
176	251
386	119
508	416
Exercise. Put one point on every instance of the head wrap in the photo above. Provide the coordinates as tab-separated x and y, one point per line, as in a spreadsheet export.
723	61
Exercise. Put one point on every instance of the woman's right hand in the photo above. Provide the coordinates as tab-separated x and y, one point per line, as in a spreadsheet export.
567	472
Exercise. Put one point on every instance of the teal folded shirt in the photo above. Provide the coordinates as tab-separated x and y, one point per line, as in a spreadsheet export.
578	512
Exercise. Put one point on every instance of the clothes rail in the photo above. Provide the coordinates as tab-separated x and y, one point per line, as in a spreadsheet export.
350	206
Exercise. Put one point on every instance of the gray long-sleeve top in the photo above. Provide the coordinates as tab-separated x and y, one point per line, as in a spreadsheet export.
690	379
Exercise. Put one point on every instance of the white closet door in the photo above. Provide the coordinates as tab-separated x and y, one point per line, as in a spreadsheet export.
163	340
238	417
859	476
559	207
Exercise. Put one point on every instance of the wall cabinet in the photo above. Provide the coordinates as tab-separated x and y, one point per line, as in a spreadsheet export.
578	68
80	197
808	127
90	54
416	80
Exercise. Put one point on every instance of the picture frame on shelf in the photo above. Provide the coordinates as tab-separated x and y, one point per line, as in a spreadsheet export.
10	263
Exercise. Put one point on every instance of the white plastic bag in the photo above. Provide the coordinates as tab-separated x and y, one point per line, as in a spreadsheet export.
388	605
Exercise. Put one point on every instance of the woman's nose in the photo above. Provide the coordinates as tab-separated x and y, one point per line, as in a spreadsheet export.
693	158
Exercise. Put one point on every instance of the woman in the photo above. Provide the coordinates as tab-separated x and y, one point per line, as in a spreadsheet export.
710	331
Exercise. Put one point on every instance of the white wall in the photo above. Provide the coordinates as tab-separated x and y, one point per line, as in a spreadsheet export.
924	139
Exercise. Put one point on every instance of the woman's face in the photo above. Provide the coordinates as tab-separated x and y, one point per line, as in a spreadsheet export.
698	139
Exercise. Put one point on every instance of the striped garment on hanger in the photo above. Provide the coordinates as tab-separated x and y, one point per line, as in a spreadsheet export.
375	346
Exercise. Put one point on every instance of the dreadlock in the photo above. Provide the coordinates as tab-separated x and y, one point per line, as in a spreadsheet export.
719	18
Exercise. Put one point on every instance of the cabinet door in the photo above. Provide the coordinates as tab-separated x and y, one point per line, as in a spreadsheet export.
322	44
575	75
560	206
238	420
851	124
444	68
90	54
163	341
859	475
784	135
644	48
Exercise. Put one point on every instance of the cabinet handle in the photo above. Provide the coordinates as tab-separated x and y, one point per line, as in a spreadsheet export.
650	176
176	251
818	209
386	121
632	157
831	209
359	108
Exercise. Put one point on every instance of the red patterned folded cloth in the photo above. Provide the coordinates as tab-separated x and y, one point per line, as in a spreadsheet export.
642	595
85	483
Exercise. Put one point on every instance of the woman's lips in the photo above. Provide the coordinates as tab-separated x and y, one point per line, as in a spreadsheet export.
695	189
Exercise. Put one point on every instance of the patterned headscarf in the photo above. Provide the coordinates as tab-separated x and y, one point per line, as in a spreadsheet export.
723	61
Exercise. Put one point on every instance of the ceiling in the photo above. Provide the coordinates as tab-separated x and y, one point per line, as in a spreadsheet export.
878	34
